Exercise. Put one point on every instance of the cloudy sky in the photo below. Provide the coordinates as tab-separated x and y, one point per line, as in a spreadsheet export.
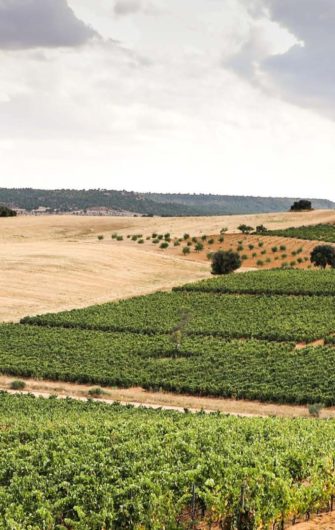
219	96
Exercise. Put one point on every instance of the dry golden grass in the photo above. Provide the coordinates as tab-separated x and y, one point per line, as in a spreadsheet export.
52	263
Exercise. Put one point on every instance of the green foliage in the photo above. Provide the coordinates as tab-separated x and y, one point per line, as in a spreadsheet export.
96	392
225	262
7	212
261	229
301	206
164	245
119	238
320	232
250	369
322	256
199	246
100	238
17	385
315	409
245	229
299	282
91	466
186	250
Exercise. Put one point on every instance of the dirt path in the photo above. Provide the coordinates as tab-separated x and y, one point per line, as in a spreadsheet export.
165	400
320	522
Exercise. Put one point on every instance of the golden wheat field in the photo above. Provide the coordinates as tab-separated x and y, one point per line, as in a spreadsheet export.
50	263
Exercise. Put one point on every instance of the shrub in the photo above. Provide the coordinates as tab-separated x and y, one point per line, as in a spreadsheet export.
114	236
210	255
221	239
177	243
240	248
300	260
100	238
7	212
96	391
261	229
204	237
254	254
186	250
260	263
189	243
199	246
245	229
314	409
211	241
134	238
119	238
263	252
17	385
186	236
284	256
293	263
261	244
160	237
154	235
274	249
167	236
225	262
282	248
244	257
140	241
251	246
164	245
300	206
323	255
155	241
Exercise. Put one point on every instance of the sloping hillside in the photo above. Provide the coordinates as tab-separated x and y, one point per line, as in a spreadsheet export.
147	203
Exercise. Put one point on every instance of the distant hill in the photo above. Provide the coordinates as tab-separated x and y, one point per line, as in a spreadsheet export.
120	202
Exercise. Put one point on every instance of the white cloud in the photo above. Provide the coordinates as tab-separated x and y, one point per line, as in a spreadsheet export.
161	108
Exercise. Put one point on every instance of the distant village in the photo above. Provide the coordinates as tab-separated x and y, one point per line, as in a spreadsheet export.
97	211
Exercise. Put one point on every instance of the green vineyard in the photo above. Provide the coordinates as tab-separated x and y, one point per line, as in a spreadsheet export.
280	318
320	232
267	371
289	282
69	465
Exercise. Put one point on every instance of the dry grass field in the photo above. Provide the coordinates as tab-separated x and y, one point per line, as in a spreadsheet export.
52	263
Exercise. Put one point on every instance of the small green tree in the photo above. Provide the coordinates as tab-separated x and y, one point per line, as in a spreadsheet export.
261	229
199	246
323	255
301	206
245	229
186	250
178	331
225	262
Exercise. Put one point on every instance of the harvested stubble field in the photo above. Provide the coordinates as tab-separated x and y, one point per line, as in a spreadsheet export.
51	263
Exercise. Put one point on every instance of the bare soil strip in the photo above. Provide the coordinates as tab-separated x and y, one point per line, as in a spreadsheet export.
165	400
320	522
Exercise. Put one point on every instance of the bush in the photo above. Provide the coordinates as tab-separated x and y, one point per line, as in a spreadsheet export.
154	235
251	246
322	256
240	248
134	238
315	409
203	238
177	243
100	238
245	229
186	250
254	254
274	249
263	252
282	248
186	236
261	229
301	206
244	257
221	239
211	241
155	241
164	245
7	212
225	262
261	244
199	246
96	392
17	385
210	255
119	238
140	241
114	236
260	263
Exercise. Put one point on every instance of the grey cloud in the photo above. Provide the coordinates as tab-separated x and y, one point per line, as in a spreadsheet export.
125	7
40	23
305	74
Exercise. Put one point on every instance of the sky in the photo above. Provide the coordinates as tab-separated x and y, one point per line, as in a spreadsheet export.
191	96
